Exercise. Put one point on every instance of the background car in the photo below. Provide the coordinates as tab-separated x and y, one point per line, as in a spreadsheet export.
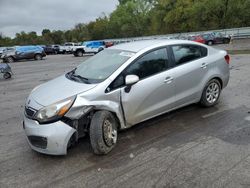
109	44
67	47
215	38
197	38
23	52
56	48
1	50
48	49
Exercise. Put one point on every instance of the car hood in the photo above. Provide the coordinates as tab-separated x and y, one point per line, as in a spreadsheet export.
58	89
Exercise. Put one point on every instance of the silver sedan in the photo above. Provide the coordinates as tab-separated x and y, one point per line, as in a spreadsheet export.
121	87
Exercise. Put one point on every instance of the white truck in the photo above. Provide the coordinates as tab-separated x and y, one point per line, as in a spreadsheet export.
67	47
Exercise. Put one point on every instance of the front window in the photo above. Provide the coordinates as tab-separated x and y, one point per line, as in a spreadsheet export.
150	64
99	67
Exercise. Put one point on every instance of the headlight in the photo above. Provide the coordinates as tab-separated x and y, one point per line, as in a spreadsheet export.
54	111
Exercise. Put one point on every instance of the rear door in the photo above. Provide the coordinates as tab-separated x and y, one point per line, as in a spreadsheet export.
191	65
154	93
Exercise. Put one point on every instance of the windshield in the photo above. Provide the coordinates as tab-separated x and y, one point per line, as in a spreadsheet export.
101	66
85	43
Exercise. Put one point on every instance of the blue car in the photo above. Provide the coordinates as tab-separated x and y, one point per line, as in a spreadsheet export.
23	52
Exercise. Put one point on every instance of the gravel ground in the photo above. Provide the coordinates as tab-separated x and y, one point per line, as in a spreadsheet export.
190	147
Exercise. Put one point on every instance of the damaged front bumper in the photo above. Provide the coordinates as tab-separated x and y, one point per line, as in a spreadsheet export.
52	138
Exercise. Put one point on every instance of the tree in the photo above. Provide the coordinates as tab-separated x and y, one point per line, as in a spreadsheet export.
45	32
133	18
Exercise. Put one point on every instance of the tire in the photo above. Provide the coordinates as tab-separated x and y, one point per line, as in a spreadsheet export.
210	43
7	75
79	53
38	57
103	132
211	93
10	59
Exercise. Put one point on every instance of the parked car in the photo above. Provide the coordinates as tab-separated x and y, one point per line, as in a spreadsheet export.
1	50
48	49
67	47
56	48
215	38
109	44
120	87
197	38
23	52
89	47
5	71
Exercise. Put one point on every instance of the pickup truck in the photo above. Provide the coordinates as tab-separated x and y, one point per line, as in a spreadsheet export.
88	47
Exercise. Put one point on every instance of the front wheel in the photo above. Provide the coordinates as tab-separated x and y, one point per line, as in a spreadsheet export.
103	132
211	93
10	59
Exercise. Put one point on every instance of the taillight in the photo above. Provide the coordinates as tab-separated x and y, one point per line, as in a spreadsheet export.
227	58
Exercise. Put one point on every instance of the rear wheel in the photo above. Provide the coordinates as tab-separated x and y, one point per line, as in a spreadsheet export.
38	57
103	132
211	93
7	75
210	43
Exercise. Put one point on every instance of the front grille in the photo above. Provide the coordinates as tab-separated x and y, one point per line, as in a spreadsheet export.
38	141
30	112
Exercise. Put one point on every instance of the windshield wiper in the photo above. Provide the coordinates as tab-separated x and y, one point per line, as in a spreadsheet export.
77	77
86	80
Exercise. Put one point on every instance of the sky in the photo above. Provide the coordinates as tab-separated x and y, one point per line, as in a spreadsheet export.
35	15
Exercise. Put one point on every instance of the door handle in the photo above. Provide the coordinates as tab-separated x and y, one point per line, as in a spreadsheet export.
168	79
203	65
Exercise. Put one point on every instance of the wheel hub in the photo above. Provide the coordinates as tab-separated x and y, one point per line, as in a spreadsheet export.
110	134
212	92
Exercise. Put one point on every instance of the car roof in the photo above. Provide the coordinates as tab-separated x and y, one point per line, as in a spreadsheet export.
140	45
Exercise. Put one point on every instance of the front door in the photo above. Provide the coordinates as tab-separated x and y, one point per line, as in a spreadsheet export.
154	93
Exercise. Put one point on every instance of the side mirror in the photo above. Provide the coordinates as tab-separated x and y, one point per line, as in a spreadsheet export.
129	81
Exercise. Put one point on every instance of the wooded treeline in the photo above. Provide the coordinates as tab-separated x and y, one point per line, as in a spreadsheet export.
134	18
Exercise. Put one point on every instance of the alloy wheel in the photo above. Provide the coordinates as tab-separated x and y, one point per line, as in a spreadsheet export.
212	92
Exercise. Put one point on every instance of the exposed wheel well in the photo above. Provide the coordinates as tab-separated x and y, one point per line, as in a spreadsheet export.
37	54
220	80
91	113
81	50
